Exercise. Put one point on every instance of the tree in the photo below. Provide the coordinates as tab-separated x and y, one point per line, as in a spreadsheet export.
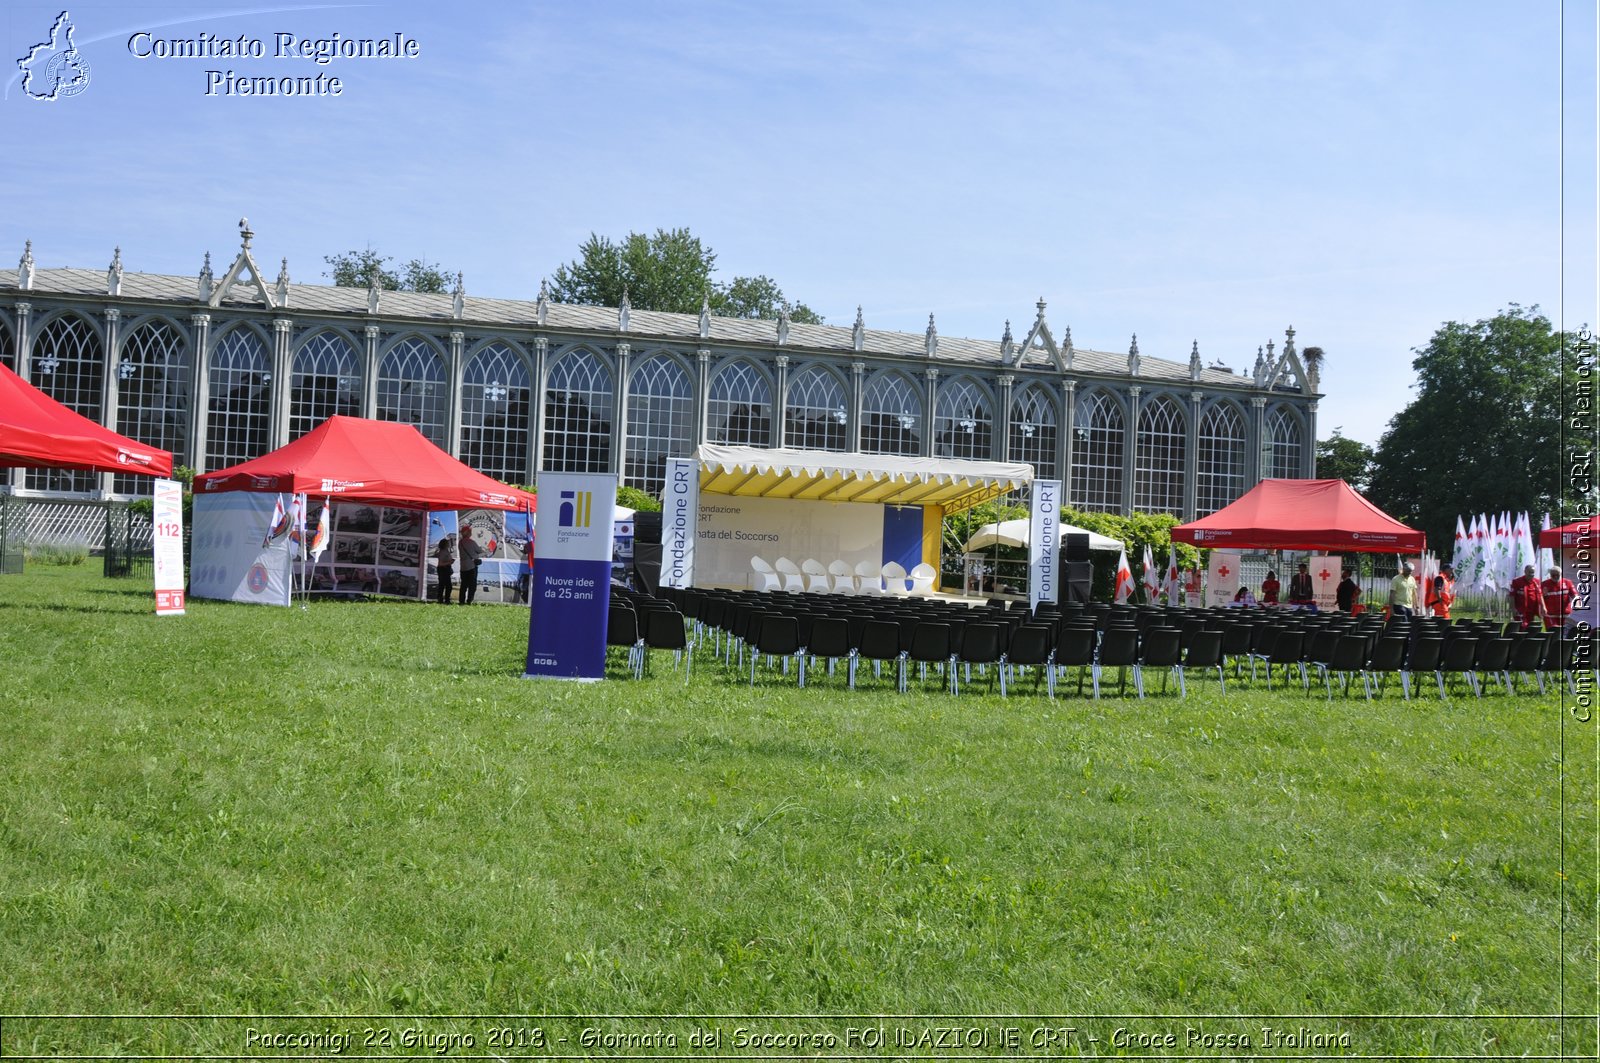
669	271
354	269
1343	458
1483	433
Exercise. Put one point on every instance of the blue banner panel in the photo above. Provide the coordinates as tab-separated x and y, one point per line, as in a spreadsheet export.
902	535
571	581
564	641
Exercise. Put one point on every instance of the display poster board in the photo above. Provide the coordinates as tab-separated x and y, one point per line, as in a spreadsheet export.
1222	578
167	511
1324	569
571	578
1044	558
680	508
504	535
371	550
730	530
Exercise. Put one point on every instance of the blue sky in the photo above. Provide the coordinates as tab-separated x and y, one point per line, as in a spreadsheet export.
1216	172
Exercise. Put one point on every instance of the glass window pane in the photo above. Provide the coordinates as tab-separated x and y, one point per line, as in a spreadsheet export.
153	396
577	411
660	422
496	400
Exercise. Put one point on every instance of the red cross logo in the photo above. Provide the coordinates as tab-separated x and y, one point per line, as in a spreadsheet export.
1324	575
1223	571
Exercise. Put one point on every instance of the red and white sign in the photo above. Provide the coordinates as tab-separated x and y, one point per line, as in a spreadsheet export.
168	547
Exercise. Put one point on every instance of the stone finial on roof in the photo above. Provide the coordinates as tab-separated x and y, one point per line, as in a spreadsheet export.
1260	371
1133	356
1288	343
783	325
705	315
1195	365
623	312
205	279
25	267
1040	305
541	310
282	291
1007	344
458	297
374	293
244	232
114	274
858	332
930	339
1066	348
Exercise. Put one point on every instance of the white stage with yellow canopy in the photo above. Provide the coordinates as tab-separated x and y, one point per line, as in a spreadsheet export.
834	508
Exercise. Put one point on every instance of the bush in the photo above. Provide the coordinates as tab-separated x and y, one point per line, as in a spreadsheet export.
57	554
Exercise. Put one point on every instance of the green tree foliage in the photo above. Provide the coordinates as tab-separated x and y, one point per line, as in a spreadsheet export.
634	498
1342	458
1483	433
670	271
355	269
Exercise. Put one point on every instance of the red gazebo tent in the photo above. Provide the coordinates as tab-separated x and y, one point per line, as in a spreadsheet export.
1578	533
1302	515
37	432
382	463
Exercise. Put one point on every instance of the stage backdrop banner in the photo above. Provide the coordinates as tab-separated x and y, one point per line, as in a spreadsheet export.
1324	571
571	584
168	513
730	530
1044	557
1222	578
679	519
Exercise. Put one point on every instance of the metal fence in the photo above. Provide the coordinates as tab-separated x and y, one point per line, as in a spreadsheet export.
123	537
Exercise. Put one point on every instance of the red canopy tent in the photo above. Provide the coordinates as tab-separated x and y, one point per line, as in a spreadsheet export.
377	462
1302	515
1578	533
37	432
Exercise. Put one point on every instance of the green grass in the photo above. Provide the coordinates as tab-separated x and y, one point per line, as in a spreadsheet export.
362	808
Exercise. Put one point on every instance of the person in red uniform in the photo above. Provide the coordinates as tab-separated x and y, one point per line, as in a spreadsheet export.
1269	589
1527	597
1559	594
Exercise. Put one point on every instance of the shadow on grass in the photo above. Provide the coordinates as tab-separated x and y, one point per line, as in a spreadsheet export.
55	607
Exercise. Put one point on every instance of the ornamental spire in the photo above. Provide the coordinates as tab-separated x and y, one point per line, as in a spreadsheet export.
114	274
205	279
283	283
705	314
541	310
25	267
458	297
930	339
1133	356
858	331
1195	365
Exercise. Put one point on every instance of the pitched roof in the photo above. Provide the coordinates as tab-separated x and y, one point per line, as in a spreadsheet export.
643	325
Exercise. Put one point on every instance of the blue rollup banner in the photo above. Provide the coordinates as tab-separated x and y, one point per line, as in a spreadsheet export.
571	582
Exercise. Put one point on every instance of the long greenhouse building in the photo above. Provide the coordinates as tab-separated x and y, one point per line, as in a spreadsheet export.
221	367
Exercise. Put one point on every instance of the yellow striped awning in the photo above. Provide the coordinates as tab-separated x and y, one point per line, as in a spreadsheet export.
825	476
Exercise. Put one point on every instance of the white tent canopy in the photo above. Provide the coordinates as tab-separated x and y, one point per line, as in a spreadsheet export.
1015	533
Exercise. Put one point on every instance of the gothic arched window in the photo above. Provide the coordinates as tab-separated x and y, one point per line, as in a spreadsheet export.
239	400
496	400
412	388
1159	457
660	422
739	409
891	415
153	396
577	414
1097	454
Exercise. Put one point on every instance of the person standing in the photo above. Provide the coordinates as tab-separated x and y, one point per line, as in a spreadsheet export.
446	554
1559	594
1440	597
1403	592
1348	592
1527	597
1269	589
471	554
1301	591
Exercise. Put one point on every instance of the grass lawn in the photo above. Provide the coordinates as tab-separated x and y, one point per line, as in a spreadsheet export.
361	808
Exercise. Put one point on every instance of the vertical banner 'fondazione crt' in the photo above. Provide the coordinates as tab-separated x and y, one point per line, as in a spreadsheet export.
680	508
570	588
1044	540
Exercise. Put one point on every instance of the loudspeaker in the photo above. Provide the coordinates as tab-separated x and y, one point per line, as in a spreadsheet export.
646	566
646	527
1077	548
1077	577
